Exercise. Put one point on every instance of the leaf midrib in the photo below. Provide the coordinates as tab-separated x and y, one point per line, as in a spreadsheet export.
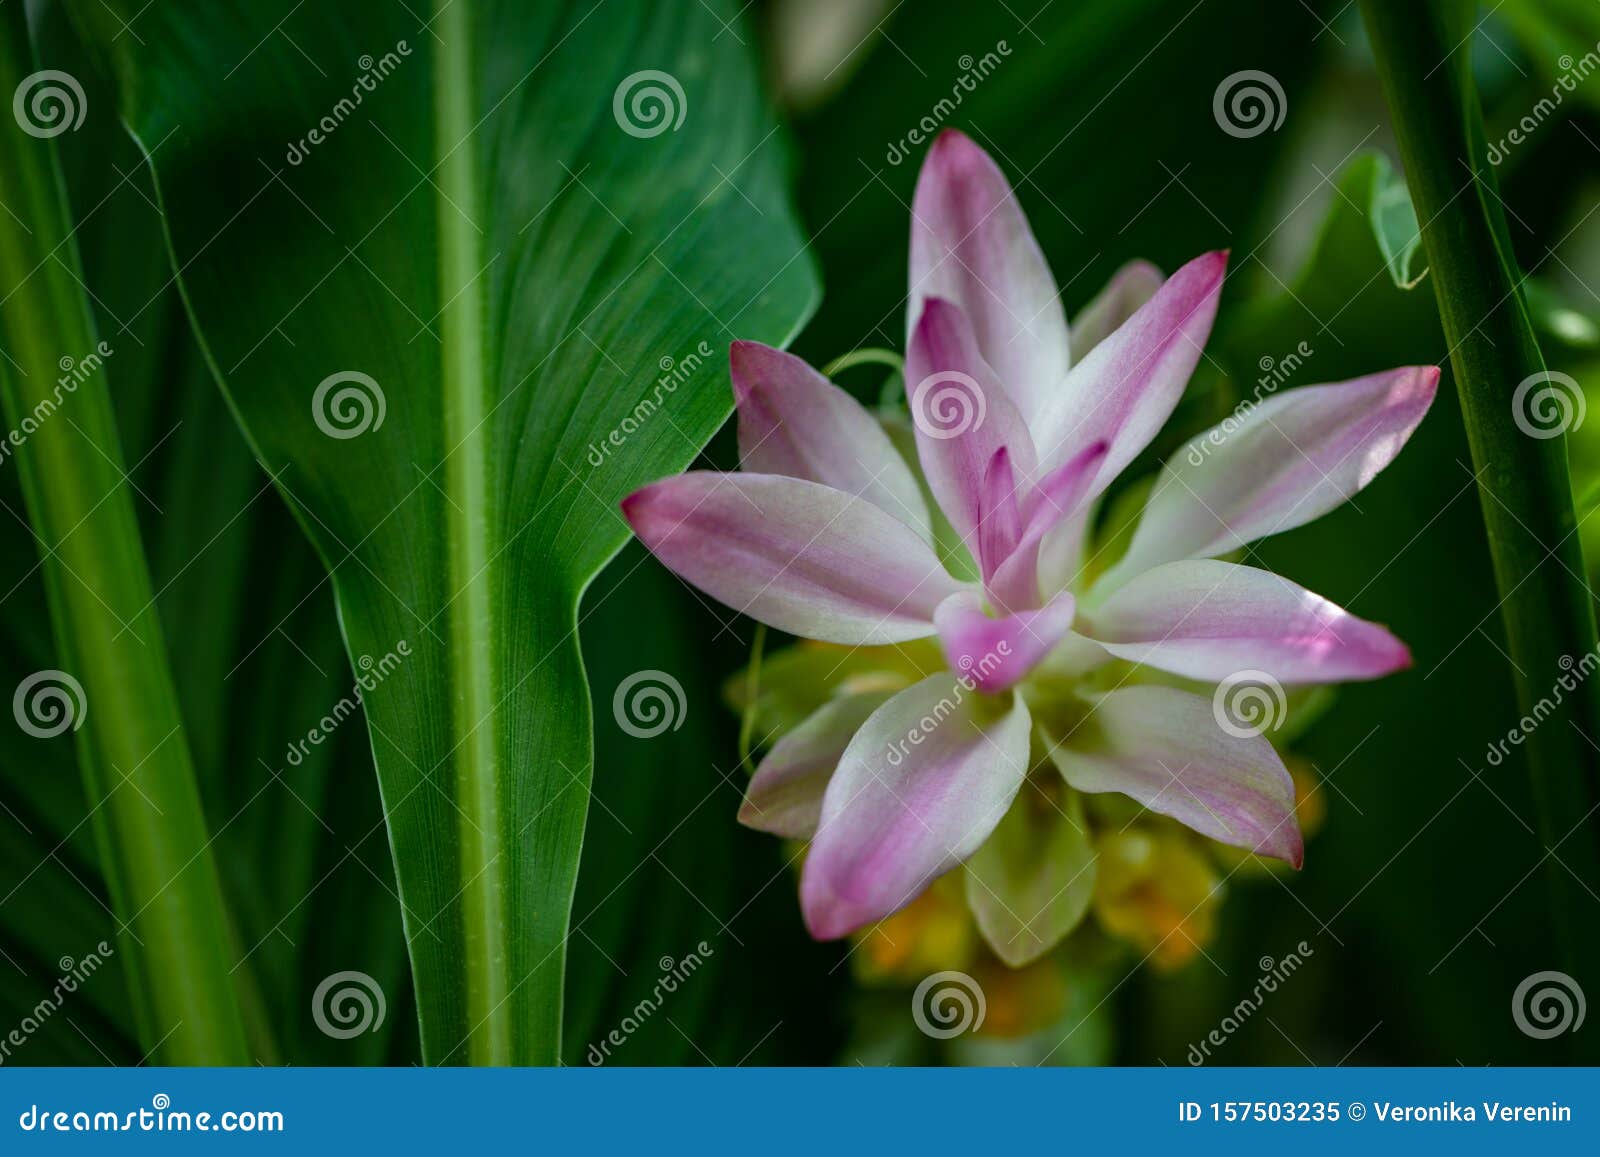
467	512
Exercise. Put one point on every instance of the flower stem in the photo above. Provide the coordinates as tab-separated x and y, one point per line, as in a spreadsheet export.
473	615
1523	483
863	357
747	722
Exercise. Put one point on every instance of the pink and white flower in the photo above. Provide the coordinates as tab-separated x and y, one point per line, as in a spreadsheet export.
1021	423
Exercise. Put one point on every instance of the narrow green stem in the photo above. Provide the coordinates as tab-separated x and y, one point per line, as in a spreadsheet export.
1422	51
752	691
134	754
862	357
468	508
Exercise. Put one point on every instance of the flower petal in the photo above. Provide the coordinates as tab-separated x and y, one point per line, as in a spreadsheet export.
794	421
1129	288
996	653
1062	550
962	416
1033	880
785	794
1206	619
919	789
1127	386
971	244
1000	517
796	555
1289	460
1061	500
1164	748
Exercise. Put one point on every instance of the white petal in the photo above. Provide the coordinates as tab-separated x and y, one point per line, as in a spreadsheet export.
1206	619
1164	748
1282	464
919	789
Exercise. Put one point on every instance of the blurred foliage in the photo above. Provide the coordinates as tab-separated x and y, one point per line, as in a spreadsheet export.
1419	897
665	866
248	620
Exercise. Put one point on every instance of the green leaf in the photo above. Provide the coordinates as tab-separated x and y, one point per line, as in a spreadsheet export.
113	686
1394	224
474	246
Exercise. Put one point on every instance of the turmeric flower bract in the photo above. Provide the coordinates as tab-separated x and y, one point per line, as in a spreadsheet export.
1021	422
